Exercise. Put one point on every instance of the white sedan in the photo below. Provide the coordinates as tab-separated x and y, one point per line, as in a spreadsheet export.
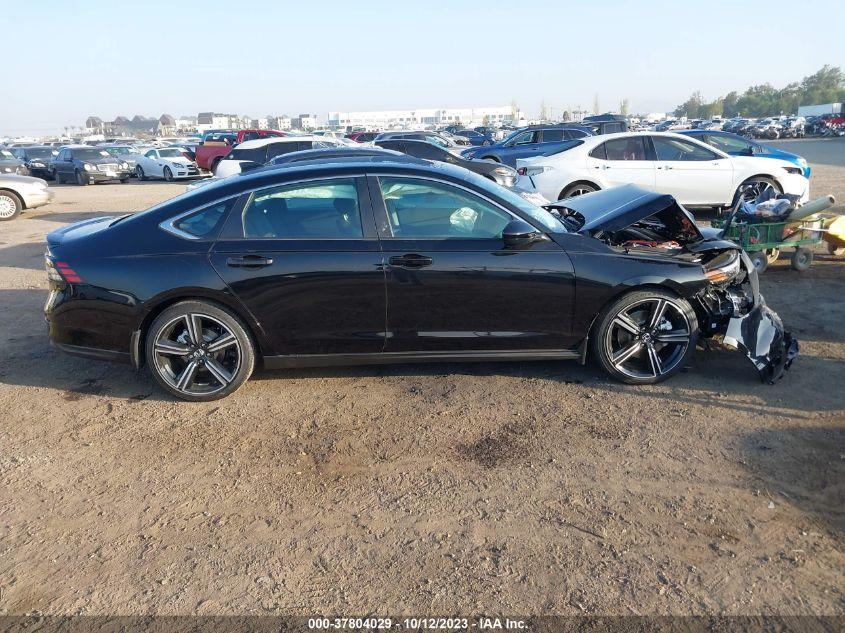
168	163
260	151
694	173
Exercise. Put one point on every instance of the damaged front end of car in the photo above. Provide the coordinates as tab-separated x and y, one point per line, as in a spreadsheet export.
727	301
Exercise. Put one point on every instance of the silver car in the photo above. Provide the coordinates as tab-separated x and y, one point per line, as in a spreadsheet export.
21	192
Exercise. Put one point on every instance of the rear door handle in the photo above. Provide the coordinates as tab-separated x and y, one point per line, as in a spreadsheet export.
249	261
411	260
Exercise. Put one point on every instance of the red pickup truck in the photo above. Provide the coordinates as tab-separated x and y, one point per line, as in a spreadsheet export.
217	145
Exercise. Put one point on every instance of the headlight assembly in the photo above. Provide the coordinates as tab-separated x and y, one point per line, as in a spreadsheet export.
794	170
724	269
89	167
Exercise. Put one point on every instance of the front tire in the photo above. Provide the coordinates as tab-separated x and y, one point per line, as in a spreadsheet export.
10	205
81	180
802	259
139	172
57	177
199	351
168	174
645	336
753	187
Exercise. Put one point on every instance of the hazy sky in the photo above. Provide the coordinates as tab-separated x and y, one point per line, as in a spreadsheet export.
65	60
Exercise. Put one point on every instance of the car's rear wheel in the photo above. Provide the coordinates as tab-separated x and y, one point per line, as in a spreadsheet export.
10	205
139	172
645	336
199	351
578	189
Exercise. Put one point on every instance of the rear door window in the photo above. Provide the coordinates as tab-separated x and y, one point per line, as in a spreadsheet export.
552	136
325	209
673	149
632	148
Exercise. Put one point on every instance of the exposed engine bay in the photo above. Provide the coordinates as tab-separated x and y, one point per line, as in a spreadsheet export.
728	306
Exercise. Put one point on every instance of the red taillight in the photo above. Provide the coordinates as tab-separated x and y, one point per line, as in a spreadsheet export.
68	273
522	171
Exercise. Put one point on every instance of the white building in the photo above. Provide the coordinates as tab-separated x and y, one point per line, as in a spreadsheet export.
421	118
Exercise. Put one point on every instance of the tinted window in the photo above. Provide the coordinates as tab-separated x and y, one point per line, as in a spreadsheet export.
203	223
256	154
277	149
729	144
552	136
396	146
325	209
598	152
573	134
612	128
676	149
89	154
420	209
425	150
632	148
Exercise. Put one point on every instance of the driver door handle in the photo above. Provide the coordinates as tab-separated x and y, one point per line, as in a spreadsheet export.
249	261
411	260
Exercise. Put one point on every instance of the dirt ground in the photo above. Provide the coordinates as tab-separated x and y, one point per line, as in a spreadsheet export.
514	488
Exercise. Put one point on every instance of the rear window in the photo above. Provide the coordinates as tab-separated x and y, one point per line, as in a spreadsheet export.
256	154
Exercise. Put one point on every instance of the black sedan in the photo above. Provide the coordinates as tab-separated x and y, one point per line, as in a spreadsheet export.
36	158
385	260
502	174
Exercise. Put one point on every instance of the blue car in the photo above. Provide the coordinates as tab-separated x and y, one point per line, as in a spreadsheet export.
529	141
474	137
736	145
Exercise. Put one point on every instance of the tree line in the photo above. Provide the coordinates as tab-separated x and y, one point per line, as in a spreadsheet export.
824	86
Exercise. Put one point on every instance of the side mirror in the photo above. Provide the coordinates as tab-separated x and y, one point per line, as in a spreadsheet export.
518	234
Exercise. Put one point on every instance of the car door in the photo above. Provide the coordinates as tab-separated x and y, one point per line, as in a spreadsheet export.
622	161
524	145
304	259
63	164
453	285
691	172
151	166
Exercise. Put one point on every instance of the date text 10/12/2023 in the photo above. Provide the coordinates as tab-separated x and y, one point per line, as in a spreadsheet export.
447	623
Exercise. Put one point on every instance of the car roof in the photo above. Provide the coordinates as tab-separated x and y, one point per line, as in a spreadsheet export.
270	140
325	153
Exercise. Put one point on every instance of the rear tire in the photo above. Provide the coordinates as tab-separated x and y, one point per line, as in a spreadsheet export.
802	259
202	373
578	189
10	205
645	336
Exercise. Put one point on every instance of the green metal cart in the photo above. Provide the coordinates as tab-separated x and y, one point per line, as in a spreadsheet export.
763	241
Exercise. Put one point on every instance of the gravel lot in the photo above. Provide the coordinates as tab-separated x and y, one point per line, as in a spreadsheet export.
516	488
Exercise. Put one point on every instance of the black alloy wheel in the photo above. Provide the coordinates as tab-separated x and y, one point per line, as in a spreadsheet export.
645	336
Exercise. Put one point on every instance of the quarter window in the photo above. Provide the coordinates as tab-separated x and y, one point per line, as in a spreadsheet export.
673	149
326	209
632	148
420	209
203	223
730	144
599	152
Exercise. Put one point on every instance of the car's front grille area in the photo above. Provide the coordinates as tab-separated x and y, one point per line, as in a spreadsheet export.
107	167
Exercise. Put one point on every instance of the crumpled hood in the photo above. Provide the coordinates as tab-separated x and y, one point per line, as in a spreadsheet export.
620	207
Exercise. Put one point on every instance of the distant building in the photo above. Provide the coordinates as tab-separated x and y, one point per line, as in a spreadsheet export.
422	118
305	122
282	122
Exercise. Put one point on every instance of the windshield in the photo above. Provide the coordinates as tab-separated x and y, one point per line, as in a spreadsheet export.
6	153
90	154
545	219
170	153
117	151
39	152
